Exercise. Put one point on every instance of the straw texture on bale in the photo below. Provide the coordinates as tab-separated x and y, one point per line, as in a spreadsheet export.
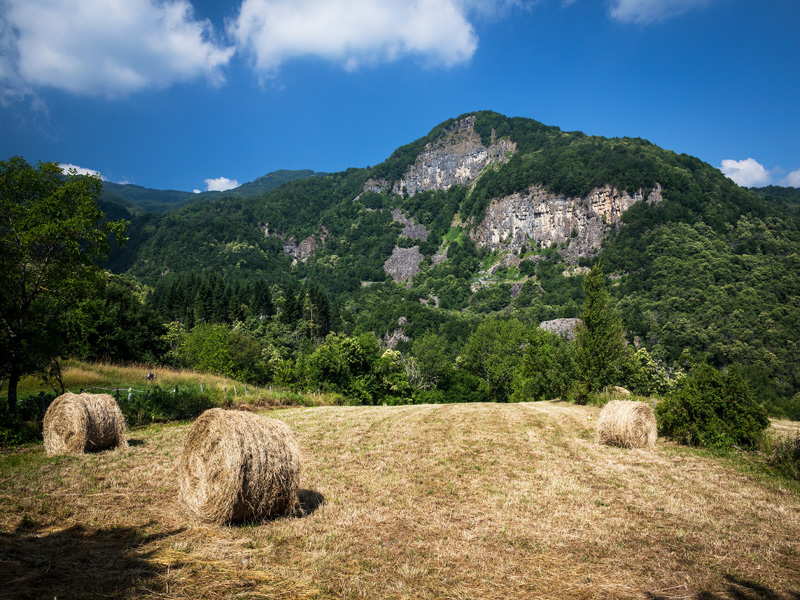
238	466
78	423
627	423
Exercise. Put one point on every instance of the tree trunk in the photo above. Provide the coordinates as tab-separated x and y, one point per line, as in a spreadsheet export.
13	378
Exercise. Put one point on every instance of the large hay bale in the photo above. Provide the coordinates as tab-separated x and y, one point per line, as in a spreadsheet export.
627	423
238	466
78	423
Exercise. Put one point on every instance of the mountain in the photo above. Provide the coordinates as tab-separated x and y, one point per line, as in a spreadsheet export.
495	216
137	200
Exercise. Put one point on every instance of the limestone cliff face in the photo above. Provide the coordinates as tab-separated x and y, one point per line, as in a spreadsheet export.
457	157
551	219
300	251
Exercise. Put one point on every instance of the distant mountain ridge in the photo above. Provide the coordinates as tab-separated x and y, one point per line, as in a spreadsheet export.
495	216
137	200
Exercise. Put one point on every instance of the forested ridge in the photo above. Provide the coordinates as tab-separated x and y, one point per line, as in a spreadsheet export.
707	275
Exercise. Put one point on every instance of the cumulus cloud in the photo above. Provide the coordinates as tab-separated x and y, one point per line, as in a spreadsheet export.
357	32
220	184
649	11
96	47
747	173
792	179
68	168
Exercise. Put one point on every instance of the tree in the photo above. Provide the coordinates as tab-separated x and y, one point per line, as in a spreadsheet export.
599	337
493	353
51	238
547	368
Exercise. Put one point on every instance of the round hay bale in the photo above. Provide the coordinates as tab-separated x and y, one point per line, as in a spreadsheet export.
78	423
238	466
627	423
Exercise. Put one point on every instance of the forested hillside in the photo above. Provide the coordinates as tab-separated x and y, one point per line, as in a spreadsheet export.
137	200
700	269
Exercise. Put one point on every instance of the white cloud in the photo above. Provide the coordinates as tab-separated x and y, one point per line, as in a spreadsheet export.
792	179
649	11
97	47
747	173
67	168
195	191
220	184
357	32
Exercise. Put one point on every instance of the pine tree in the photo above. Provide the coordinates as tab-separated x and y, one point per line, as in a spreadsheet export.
600	336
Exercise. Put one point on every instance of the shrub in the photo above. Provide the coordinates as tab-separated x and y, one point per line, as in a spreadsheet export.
713	409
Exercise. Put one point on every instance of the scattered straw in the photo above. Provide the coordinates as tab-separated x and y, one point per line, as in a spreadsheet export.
238	466
627	423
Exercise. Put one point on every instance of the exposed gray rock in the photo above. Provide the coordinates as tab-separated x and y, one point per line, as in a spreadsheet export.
572	271
563	327
415	232
301	251
376	185
403	264
390	340
440	256
540	216
458	157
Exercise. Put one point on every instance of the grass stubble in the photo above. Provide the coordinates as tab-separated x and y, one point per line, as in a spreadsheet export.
439	501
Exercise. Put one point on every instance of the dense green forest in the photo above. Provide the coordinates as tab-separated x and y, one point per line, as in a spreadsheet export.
710	275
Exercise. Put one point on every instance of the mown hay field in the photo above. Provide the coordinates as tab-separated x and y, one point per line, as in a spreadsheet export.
445	501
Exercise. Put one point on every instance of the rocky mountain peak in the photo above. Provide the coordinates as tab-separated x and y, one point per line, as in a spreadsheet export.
458	156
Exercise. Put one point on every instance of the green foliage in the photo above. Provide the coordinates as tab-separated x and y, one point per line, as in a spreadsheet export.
547	370
115	325
725	298
599	336
713	409
434	364
355	367
159	404
493	353
643	376
218	349
51	237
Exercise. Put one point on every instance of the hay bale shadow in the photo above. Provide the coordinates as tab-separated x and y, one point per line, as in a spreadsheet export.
135	443
77	563
310	501
737	589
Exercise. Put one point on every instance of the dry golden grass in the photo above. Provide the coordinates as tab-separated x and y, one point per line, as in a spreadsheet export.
79	374
447	501
784	427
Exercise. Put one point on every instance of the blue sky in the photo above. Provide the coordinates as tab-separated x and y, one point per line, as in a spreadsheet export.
184	95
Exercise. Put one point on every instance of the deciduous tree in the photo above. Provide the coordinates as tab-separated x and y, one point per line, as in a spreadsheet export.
51	238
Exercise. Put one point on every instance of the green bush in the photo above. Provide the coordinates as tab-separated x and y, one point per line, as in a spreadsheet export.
159	404
713	409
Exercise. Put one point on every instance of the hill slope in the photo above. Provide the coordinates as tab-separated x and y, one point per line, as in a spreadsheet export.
492	215
137	200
